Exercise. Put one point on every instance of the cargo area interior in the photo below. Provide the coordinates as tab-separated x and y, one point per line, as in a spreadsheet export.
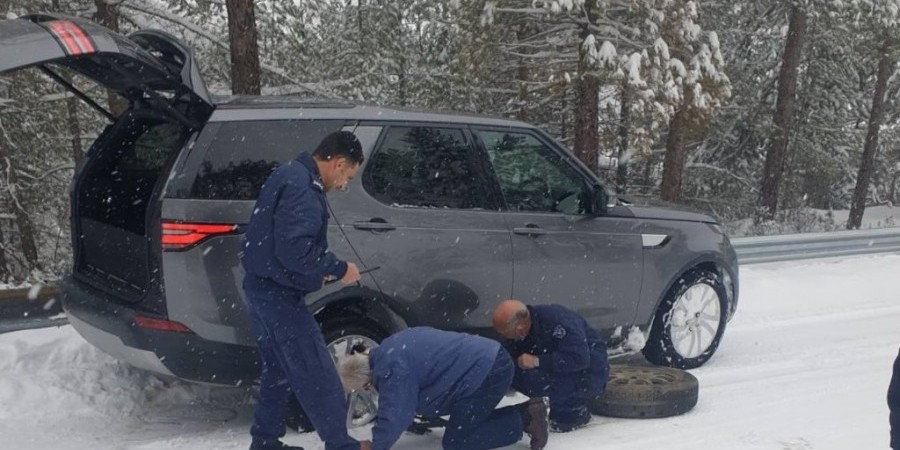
115	196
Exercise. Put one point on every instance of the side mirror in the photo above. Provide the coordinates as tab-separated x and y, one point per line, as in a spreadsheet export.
600	200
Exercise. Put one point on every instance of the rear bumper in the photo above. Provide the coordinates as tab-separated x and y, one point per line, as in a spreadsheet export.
109	325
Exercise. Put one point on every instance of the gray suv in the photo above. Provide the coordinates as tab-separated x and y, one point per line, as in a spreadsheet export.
452	214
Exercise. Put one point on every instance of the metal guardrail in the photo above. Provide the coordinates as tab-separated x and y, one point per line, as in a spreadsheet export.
29	308
790	247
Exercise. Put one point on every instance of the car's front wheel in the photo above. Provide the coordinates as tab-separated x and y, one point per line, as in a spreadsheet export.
690	321
341	336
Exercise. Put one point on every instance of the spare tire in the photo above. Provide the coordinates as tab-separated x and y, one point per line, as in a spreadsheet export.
646	392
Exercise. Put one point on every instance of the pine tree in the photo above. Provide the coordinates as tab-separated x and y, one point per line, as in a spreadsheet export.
884	17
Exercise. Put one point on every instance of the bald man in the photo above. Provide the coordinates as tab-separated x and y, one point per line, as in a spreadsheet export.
558	355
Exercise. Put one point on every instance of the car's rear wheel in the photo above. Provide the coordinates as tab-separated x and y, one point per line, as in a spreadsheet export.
341	336
690	321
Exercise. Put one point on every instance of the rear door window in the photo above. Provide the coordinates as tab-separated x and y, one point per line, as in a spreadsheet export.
234	159
426	166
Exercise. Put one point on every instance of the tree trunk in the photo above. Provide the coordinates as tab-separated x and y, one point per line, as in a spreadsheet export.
587	135
4	264
648	172
401	82
23	222
522	78
360	29
75	126
673	165
26	235
75	130
587	106
624	123
858	205
564	105
894	180
244	47
108	16
401	72
784	111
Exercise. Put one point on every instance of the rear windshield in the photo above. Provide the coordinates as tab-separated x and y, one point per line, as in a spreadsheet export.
232	160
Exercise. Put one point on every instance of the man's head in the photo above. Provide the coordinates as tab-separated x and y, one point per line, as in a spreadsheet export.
338	157
355	372
512	319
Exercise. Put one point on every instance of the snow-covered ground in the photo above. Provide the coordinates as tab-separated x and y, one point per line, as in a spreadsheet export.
805	364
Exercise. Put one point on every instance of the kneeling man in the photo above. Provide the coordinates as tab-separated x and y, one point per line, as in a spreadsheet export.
558	356
436	373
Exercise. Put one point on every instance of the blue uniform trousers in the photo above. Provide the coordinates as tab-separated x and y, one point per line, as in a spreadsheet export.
295	361
569	392
474	423
893	399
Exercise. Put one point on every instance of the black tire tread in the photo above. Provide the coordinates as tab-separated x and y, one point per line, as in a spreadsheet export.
646	392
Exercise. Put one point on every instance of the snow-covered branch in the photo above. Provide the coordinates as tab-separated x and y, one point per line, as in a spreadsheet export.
219	42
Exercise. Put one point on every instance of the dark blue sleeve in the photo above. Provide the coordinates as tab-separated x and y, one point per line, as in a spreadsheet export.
572	353
297	222
397	398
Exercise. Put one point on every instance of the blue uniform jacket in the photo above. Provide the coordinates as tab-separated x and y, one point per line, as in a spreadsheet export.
562	340
286	239
424	370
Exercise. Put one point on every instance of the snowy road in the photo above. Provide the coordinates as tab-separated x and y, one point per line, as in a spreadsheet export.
805	364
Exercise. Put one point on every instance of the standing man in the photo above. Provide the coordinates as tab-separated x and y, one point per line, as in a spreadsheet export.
286	257
893	400
558	355
435	373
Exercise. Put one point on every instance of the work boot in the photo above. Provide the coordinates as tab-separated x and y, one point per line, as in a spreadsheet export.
534	421
259	444
573	420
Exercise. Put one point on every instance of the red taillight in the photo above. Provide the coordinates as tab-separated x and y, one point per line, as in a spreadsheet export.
160	325
179	236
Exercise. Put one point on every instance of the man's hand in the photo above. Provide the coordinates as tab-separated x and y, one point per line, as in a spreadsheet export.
365	445
352	275
528	361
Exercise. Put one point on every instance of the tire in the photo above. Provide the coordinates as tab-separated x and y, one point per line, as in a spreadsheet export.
646	392
336	332
690	321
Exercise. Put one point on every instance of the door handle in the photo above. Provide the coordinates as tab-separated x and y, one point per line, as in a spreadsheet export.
530	230
374	225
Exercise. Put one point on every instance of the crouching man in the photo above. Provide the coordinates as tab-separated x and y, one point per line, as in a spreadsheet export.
558	356
436	373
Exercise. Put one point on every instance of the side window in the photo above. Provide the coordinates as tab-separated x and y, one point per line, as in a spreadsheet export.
532	176
241	155
425	167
